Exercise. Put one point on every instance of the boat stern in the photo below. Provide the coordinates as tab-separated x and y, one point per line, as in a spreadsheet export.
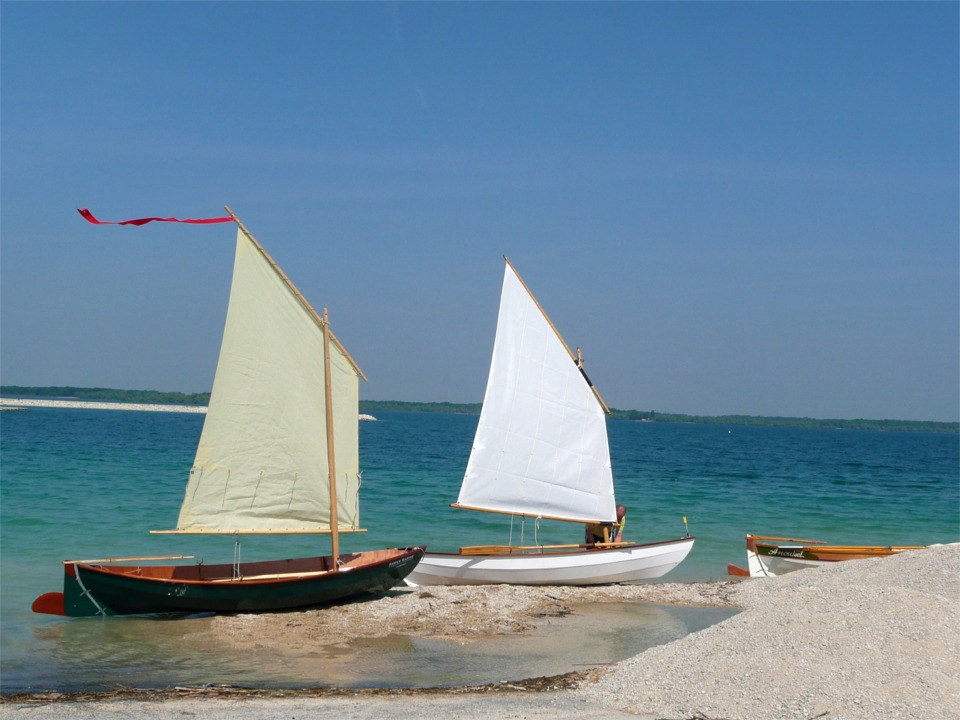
755	566
74	601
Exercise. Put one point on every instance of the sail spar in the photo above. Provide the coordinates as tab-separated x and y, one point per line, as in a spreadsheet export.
261	464
541	445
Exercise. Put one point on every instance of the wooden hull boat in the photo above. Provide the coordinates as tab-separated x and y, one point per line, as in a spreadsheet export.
103	588
772	556
278	454
622	563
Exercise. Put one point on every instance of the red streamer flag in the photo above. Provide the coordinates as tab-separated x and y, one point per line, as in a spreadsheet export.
88	216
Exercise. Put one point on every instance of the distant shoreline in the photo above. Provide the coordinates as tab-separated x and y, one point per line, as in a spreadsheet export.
20	403
103	398
23	404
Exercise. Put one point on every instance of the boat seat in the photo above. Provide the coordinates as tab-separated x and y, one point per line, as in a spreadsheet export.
486	550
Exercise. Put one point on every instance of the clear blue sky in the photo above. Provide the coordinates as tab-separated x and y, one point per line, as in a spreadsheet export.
732	207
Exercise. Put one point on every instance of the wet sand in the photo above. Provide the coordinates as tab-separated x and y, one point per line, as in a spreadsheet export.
865	639
462	613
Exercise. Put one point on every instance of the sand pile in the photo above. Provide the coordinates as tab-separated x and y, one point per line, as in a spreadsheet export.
865	639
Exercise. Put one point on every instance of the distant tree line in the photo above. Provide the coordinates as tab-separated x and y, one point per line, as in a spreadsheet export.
371	406
775	421
431	407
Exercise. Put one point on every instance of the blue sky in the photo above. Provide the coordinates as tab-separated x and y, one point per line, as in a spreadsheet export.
732	207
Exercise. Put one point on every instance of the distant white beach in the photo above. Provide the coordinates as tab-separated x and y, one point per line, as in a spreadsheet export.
18	403
94	405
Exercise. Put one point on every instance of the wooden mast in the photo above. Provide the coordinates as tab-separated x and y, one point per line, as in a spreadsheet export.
546	317
331	460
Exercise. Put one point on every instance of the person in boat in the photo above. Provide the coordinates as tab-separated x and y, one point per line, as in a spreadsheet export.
607	532
616	531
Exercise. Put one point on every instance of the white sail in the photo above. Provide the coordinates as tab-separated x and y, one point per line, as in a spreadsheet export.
541	444
261	465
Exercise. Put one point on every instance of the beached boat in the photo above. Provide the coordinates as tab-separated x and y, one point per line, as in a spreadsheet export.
280	440
771	556
541	451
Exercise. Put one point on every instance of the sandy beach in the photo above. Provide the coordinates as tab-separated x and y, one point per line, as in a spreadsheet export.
865	639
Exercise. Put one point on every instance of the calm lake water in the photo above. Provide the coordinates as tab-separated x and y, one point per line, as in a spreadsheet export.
91	483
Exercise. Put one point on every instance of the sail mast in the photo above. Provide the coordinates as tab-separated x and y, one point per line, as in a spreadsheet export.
566	347
331	461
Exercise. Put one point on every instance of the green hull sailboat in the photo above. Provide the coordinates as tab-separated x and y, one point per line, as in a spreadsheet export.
279	454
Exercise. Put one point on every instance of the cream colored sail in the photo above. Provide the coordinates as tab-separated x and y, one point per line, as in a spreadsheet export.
541	444
261	465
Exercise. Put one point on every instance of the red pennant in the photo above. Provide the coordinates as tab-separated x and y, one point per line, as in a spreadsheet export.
88	216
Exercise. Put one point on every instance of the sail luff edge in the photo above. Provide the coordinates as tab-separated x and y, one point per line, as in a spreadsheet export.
563	342
293	288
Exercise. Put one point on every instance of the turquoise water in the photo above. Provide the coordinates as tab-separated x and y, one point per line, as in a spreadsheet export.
86	484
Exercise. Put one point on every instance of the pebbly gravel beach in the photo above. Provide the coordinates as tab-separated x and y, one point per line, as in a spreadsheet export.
868	639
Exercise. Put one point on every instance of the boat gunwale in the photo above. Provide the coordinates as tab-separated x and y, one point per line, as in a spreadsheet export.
580	550
815	551
306	575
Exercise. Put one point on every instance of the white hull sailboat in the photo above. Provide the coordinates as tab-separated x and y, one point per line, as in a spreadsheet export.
541	565
541	451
